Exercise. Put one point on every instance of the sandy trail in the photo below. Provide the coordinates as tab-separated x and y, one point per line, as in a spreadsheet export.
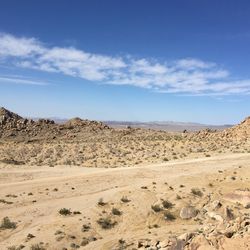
42	192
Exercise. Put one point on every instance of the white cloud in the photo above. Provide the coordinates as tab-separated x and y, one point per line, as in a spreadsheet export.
184	76
21	47
191	63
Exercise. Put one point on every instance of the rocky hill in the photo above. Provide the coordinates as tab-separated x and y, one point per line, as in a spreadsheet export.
95	144
240	131
9	119
14	127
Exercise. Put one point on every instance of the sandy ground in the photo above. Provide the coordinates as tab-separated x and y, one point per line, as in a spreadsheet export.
34	196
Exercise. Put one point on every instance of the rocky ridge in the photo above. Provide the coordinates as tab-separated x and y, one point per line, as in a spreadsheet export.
14	126
94	144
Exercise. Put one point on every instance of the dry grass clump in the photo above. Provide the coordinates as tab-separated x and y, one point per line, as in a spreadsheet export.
169	216
7	224
156	208
101	202
85	228
37	247
197	192
106	223
167	204
116	211
16	248
6	202
125	199
64	211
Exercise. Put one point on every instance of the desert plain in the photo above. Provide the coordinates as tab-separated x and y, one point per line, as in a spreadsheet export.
85	185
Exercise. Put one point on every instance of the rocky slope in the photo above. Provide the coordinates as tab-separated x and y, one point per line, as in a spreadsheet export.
14	127
240	131
94	144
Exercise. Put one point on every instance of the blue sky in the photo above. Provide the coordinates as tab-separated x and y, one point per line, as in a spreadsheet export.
126	60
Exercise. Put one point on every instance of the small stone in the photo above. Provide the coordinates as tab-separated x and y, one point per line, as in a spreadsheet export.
229	234
215	216
216	204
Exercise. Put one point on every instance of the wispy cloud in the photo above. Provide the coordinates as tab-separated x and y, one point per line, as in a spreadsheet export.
185	76
22	80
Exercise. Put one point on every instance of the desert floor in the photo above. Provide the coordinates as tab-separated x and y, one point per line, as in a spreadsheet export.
32	197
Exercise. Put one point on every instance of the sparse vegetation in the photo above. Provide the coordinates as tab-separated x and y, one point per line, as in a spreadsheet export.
167	204
101	202
125	199
37	247
116	211
76	212
8	224
6	202
85	228
20	247
169	216
106	223
196	192
156	208
178	197
162	187
65	211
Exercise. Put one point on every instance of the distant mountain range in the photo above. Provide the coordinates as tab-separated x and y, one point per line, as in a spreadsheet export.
170	126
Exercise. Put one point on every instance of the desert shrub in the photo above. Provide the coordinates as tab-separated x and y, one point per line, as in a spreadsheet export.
197	192
101	202
125	199
85	228
37	247
169	216
167	204
156	208
7	224
116	211
30	236
178	197
106	223
74	246
6	202
11	195
76	212
64	211
16	248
